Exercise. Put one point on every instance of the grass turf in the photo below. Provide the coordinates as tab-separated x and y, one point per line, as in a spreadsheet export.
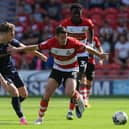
99	116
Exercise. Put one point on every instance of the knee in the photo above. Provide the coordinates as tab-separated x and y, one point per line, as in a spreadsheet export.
23	94
13	92
69	93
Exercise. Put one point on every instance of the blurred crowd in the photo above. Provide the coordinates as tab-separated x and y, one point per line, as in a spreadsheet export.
36	21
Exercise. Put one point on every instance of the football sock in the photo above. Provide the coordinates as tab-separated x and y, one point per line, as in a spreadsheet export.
21	98
16	106
71	106
83	91
43	107
88	90
75	97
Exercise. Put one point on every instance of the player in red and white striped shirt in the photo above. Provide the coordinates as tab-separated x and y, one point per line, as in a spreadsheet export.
64	50
82	29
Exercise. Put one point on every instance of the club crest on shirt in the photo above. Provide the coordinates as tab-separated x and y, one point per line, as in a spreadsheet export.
62	52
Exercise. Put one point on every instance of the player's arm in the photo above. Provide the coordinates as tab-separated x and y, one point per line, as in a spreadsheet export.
37	53
29	48
95	52
40	55
90	35
100	49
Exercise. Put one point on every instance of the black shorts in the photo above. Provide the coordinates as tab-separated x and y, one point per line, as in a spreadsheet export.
60	76
82	61
90	71
10	74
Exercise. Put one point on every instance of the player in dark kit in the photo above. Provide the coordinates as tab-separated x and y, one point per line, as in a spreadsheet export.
8	71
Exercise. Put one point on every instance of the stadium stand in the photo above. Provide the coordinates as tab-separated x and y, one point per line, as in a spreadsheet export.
32	16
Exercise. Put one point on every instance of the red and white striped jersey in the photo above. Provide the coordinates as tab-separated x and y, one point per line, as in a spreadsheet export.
78	31
65	58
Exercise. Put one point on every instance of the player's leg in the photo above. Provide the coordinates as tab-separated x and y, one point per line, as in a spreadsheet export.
9	86
69	115
90	76
82	86
52	83
23	93
81	80
70	90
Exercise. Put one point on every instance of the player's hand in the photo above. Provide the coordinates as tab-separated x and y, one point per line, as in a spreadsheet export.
104	56
101	62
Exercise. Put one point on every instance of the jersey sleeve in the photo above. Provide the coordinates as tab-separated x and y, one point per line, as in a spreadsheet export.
64	23
15	43
46	45
97	42
91	24
80	47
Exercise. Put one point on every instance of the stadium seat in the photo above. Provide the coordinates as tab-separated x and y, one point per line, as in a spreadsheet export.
112	20
112	11
114	66
84	12
113	74
98	67
97	20
65	12
96	11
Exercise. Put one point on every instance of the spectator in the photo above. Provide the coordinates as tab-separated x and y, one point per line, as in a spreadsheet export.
48	27
53	9
125	2
95	3
112	4
38	13
122	51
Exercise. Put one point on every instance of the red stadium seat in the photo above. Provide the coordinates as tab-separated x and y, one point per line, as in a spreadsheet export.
98	66
96	11
65	12
112	20
84	12
114	66
111	11
97	20
113	74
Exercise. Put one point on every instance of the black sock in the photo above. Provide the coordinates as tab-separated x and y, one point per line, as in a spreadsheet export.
21	99
16	106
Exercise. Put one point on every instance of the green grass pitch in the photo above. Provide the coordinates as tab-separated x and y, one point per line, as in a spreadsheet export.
99	116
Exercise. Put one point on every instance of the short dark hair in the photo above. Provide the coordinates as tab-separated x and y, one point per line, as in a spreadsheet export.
76	5
60	29
6	27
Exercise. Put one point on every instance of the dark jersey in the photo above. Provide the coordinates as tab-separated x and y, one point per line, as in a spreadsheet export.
5	57
7	69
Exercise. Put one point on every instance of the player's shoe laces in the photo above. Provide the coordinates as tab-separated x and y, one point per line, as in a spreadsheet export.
38	121
80	107
69	116
23	121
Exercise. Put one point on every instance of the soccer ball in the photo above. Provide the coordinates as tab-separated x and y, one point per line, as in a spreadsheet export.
120	118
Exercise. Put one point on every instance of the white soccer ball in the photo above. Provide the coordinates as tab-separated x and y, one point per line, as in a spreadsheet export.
120	118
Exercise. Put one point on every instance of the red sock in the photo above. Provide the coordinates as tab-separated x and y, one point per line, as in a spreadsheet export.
76	95
71	106
43	107
83	92
88	91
